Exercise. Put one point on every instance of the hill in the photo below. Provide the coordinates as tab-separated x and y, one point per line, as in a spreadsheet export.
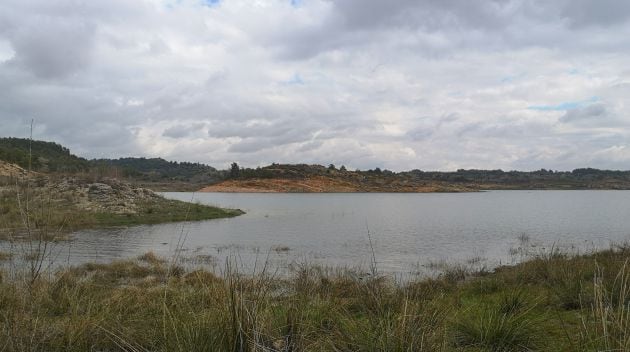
317	178
163	175
154	173
46	156
158	173
584	178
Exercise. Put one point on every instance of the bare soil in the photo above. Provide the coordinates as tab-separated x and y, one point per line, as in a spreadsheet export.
323	184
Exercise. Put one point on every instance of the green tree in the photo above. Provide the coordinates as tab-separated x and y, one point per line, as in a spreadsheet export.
235	171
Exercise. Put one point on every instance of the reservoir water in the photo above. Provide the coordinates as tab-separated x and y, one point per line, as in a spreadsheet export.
402	232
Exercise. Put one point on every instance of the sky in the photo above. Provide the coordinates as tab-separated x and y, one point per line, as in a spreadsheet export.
400	85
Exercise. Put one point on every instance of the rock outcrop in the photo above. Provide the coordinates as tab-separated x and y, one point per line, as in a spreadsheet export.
11	170
108	195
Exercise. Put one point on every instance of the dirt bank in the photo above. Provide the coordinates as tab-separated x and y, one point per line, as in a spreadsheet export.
10	170
322	184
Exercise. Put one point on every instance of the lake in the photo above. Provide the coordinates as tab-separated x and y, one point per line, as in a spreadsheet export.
405	233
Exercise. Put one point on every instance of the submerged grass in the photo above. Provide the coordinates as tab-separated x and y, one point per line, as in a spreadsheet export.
163	210
147	304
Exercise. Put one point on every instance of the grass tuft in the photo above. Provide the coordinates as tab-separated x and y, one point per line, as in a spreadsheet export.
493	329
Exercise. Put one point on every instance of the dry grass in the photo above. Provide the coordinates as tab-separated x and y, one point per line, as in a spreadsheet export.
148	305
5	256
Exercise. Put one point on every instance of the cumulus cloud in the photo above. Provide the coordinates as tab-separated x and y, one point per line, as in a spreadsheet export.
432	84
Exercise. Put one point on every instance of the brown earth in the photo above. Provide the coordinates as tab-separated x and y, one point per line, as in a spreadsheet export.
11	170
323	184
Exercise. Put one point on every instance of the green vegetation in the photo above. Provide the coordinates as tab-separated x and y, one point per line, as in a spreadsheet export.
485	179
165	210
46	156
149	304
158	170
159	174
585	178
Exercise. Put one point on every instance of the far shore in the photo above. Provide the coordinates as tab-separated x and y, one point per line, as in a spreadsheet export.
319	184
327	185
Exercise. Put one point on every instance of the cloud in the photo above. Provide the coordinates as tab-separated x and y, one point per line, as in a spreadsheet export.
600	13
432	84
182	131
53	49
592	111
569	105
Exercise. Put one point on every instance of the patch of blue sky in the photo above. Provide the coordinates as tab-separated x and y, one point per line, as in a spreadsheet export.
296	79
296	3
210	3
568	105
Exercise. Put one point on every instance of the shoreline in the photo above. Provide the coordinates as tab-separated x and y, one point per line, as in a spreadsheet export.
329	185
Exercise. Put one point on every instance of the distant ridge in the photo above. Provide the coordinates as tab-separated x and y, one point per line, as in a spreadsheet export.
53	157
160	174
159	170
317	178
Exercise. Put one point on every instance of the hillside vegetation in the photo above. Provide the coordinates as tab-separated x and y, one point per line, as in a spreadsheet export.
159	174
163	175
44	156
317	178
154	173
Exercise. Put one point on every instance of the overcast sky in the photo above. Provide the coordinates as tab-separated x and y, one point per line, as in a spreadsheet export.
433	84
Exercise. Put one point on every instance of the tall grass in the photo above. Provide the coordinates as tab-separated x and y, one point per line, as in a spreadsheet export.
148	304
606	326
499	327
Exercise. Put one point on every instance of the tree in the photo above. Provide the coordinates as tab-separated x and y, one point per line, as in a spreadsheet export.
342	168
235	171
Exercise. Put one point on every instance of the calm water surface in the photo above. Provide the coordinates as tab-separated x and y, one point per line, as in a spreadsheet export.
407	231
